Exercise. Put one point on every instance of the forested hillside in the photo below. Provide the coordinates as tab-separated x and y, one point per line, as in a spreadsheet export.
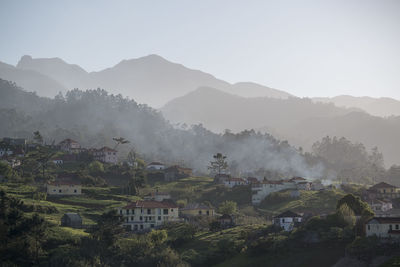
94	117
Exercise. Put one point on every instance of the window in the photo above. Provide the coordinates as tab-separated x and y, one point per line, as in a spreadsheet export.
397	227
159	218
141	218
369	228
165	211
127	211
199	212
133	211
390	227
172	210
148	211
141	226
120	212
127	219
208	212
54	190
75	191
152	225
59	191
135	227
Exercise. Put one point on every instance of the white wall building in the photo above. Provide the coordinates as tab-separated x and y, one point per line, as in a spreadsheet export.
287	220
106	155
64	188
231	182
148	214
383	227
264	188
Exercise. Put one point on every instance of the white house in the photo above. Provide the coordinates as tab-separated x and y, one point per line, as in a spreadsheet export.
231	182
380	205
287	220
155	166
266	187
383	227
148	214
106	155
64	188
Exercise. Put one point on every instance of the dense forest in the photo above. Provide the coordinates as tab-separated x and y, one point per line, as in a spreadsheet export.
94	117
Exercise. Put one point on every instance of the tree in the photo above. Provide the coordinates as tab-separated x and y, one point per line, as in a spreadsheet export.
359	207
346	214
96	167
119	141
219	164
227	207
37	137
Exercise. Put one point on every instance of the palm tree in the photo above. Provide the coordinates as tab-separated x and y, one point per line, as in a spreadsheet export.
120	140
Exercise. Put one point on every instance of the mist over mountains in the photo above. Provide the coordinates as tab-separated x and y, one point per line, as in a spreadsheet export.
299	120
151	80
192	97
94	117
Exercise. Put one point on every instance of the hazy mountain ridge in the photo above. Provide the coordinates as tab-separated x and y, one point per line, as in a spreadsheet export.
301	121
151	79
31	80
383	106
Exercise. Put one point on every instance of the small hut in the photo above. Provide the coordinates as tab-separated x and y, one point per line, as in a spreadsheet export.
71	220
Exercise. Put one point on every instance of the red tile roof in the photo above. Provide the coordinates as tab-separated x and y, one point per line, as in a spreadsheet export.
107	149
151	204
64	182
385	220
382	185
235	180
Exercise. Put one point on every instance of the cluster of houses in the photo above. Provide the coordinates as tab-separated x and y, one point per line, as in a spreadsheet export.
262	189
12	149
72	147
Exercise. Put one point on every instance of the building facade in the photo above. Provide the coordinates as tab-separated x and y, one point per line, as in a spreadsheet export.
64	188
148	214
383	227
287	220
105	155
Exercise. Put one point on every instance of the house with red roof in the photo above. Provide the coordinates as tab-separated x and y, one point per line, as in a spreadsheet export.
382	191
148	214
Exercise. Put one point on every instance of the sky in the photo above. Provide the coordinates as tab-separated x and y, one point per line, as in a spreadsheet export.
307	48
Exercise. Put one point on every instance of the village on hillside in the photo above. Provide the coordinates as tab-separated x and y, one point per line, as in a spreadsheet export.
156	208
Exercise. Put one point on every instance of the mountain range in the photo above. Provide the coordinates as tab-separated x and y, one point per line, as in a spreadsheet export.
191	96
299	120
151	80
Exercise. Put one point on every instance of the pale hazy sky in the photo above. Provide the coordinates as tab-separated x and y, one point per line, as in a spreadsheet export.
308	48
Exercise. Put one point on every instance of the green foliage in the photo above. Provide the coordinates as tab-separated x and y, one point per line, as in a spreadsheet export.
347	215
96	167
227	207
359	207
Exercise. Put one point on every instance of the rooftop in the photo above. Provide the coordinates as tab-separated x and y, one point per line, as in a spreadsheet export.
151	204
288	214
384	220
382	185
